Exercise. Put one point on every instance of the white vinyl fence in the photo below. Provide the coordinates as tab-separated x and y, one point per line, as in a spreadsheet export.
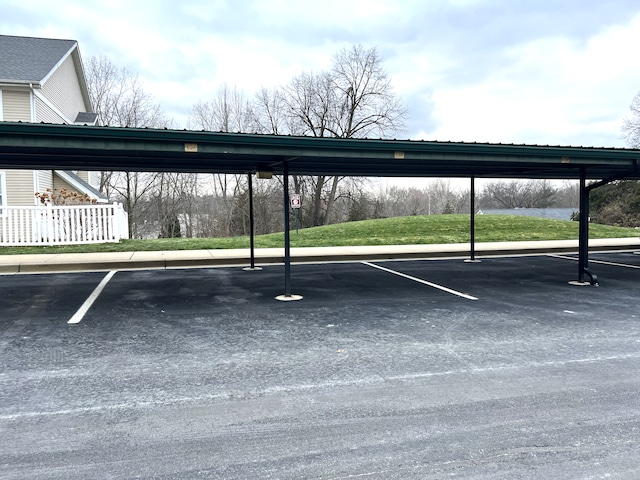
62	225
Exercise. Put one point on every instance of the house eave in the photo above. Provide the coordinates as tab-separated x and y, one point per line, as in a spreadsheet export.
81	186
7	83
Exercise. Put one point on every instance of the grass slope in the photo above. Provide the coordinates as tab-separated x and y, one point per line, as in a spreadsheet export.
434	229
431	229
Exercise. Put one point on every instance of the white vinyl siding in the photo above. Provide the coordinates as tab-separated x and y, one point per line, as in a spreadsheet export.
44	180
20	190
83	174
59	184
16	106
62	89
44	113
94	179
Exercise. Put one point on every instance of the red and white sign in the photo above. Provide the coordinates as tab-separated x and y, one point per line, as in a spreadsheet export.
295	200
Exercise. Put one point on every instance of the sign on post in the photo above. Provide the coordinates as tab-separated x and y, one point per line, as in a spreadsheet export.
295	204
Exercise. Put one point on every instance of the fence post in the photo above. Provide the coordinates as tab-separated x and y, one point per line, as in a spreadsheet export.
121	222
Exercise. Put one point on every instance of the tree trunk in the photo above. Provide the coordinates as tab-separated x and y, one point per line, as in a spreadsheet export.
331	201
317	201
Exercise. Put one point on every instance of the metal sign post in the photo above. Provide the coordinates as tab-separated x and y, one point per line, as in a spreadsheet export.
295	204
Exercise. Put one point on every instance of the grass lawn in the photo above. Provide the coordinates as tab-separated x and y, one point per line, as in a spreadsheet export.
431	229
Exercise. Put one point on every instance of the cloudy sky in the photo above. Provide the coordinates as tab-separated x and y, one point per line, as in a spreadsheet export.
559	72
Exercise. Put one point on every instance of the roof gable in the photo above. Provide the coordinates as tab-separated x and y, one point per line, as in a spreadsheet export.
30	59
83	187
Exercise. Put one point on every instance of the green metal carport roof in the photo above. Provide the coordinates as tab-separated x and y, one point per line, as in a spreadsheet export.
75	147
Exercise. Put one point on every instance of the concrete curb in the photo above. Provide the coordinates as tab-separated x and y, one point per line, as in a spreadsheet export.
51	263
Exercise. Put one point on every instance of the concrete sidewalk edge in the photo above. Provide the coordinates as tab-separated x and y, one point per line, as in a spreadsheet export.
52	263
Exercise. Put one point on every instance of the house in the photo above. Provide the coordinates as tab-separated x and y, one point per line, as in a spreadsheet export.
42	80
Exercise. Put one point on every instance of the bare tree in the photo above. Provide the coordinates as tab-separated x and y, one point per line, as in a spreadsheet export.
519	194
617	202
310	98
631	125
174	202
133	188
444	198
267	113
119	99
227	111
227	188
436	197
400	202
354	99
366	104
568	195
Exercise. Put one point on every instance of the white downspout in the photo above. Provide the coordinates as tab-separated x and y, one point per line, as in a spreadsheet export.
34	116
32	100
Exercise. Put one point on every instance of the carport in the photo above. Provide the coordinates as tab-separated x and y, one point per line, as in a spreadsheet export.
74	147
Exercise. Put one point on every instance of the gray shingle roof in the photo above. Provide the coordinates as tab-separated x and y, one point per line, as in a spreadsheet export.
29	59
86	118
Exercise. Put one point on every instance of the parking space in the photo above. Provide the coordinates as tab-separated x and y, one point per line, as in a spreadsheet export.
399	369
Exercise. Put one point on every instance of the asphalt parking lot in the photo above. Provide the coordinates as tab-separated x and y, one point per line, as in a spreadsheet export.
400	369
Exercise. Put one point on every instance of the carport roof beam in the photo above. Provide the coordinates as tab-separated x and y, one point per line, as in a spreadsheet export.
76	147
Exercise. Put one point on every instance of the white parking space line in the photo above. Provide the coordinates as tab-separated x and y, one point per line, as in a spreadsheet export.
625	265
424	282
79	315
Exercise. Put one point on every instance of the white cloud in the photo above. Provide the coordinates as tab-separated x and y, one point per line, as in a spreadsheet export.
472	70
552	90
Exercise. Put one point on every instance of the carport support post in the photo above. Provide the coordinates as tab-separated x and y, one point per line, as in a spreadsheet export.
472	225
287	240
251	228
251	239
287	234
583	235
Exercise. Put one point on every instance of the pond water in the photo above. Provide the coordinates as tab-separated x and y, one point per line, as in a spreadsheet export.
555	213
